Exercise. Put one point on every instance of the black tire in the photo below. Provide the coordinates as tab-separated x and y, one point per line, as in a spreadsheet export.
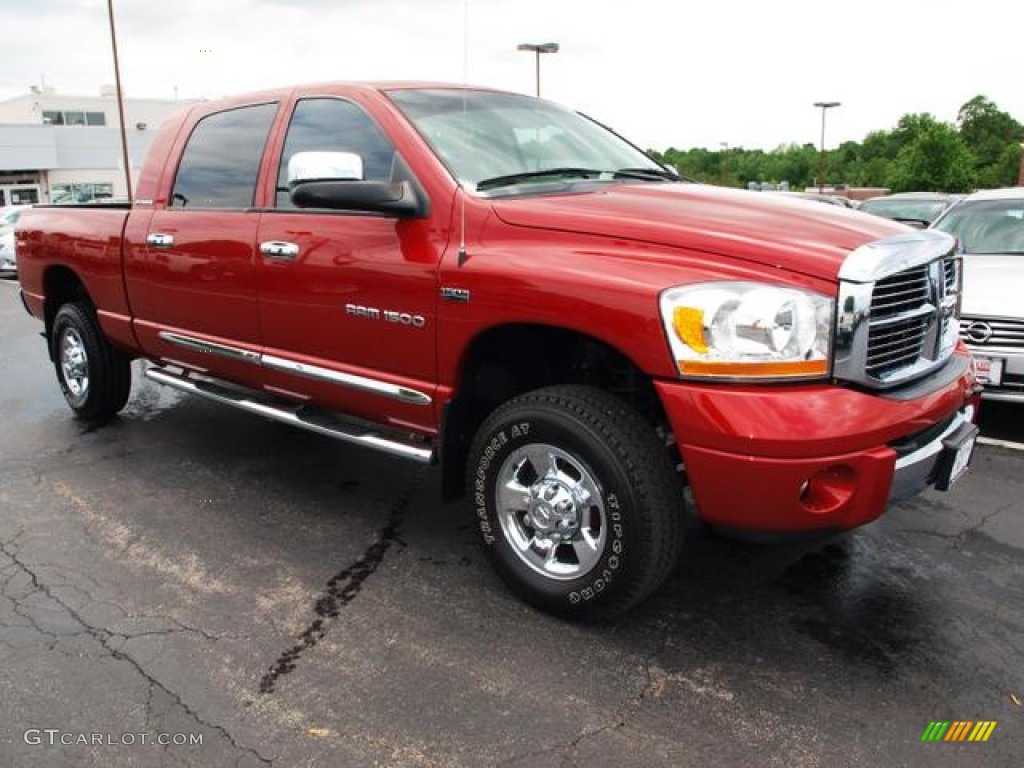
589	441
95	378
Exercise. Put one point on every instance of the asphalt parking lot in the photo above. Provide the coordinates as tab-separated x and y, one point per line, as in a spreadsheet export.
192	571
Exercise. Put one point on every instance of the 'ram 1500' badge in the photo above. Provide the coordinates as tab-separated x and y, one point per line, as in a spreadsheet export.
387	315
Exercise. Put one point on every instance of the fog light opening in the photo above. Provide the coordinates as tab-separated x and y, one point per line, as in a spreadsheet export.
829	489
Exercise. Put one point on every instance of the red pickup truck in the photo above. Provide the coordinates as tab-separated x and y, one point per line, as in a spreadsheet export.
504	286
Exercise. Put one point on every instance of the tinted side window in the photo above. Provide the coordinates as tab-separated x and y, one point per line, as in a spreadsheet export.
333	125
221	161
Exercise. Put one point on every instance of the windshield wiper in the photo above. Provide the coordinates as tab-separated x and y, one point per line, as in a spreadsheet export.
645	174
515	178
652	174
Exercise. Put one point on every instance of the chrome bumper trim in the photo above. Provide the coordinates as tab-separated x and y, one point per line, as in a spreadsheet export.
913	471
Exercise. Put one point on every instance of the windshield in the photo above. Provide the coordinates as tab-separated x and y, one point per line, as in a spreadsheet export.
987	226
918	210
487	136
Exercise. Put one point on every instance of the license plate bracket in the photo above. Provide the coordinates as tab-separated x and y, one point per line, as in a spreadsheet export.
957	450
989	370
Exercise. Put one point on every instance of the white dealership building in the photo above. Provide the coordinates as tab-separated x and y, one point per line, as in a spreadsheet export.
59	148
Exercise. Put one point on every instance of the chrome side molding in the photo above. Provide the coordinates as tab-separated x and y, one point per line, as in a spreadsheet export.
347	379
299	415
210	347
351	380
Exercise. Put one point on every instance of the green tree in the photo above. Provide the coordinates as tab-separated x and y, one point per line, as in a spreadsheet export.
919	153
993	137
795	163
932	156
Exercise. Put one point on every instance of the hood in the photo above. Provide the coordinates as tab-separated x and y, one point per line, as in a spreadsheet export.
993	285
800	235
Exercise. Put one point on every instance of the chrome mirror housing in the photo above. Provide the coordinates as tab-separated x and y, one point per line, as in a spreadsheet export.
324	166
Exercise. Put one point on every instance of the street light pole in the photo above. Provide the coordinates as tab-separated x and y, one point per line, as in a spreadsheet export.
824	106
538	49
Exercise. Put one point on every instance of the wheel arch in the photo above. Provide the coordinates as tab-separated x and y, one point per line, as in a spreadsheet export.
507	360
61	285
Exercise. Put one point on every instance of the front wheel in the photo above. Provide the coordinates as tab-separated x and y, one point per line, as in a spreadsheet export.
577	502
94	377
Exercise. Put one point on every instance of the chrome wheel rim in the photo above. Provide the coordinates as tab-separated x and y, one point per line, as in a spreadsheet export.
74	363
549	506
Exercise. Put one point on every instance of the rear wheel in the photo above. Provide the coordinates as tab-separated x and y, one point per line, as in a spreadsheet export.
94	377
578	504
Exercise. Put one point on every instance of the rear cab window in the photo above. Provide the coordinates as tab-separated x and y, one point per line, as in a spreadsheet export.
220	165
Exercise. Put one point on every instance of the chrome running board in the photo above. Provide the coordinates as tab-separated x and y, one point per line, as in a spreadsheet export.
302	416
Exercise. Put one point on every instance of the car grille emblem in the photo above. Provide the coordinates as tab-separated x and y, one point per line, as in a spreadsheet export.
979	332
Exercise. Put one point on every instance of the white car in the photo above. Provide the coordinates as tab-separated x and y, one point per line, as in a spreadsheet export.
990	226
8	261
8	218
9	215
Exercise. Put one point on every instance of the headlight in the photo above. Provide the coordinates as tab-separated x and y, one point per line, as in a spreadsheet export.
748	330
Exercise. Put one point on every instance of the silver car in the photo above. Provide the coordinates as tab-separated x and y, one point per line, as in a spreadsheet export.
915	208
990	226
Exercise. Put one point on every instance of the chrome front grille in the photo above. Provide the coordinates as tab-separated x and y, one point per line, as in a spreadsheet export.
992	331
898	326
951	275
895	345
900	292
896	318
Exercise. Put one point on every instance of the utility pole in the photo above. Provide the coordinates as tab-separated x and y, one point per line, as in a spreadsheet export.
120	102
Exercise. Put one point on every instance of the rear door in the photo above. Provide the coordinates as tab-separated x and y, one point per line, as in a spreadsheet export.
194	296
348	313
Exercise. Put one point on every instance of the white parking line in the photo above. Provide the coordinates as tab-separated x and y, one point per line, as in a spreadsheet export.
1002	443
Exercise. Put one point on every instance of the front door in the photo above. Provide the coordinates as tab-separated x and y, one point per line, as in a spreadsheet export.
348	305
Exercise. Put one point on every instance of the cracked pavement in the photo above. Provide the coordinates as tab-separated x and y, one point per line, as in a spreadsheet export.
154	571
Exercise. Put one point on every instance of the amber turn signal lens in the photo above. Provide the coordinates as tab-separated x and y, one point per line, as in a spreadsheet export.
688	323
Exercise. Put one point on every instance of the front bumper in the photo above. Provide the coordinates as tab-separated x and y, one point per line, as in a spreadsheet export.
812	457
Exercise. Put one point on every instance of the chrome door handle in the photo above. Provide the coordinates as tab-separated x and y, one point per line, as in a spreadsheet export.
277	249
159	240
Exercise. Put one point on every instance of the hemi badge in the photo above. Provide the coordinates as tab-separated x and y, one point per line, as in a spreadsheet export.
460	295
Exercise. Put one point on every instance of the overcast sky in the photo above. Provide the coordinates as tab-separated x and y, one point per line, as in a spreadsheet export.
680	73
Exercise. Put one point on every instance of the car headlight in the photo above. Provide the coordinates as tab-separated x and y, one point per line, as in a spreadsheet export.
748	330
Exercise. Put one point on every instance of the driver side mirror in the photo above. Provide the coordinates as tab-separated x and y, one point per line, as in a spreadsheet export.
335	180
